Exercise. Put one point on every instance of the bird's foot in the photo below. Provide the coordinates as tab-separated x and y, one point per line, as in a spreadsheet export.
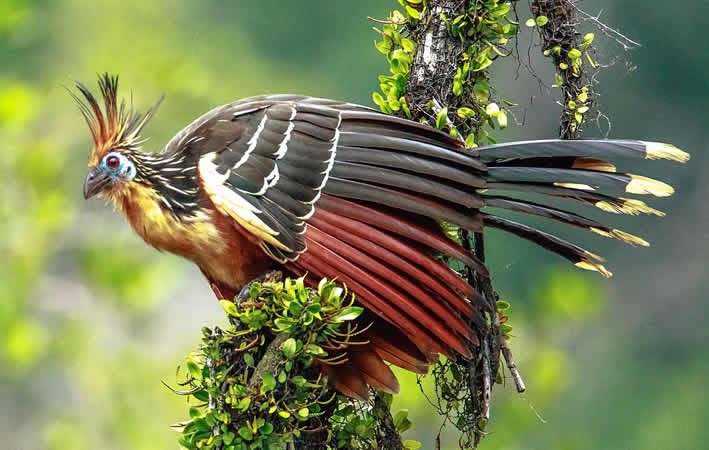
273	276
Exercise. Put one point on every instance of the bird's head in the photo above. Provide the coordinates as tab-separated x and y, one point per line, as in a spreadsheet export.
114	162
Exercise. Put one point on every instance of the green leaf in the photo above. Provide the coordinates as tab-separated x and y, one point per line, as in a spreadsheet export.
481	89
284	414
266	429
249	360
574	53
541	21
195	370
229	307
244	404
502	118
269	382
298	380
282	323
408	45
413	12
442	118
245	434
379	100
282	376
492	109
465	113
470	141
458	82
350	313
254	290
501	10
401	421
558	80
484	64
303	412
530	23
502	305
383	46
410	444
587	41
288	347
202	395
228	437
405	107
315	350
582	109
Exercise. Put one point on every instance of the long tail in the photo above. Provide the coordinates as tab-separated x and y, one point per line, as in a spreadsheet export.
403	165
572	170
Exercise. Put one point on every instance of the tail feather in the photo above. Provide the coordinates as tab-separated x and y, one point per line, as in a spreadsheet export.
600	149
404	180
562	216
374	140
403	200
578	256
581	179
375	372
616	205
348	381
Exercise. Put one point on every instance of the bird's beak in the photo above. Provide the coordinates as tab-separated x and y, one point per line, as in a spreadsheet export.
96	180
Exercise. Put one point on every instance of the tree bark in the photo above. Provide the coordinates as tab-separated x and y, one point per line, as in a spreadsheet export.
437	57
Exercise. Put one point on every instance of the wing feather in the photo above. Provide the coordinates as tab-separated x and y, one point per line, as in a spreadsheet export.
251	176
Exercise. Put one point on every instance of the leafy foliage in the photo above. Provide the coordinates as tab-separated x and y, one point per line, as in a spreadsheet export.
260	383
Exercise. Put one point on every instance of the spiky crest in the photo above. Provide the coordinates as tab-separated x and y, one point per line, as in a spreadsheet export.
116	126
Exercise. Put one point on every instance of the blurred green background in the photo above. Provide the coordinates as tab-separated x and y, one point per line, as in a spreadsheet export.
91	319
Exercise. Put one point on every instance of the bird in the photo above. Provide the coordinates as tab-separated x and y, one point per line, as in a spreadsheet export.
333	189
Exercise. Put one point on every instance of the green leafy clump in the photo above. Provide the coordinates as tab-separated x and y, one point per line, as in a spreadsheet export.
259	383
399	51
486	29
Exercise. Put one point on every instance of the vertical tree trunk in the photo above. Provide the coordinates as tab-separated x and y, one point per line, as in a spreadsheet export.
437	58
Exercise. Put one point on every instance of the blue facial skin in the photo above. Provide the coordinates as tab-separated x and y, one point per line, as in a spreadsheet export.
123	170
114	167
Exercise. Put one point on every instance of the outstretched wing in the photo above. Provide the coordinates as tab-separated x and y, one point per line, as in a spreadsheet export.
264	161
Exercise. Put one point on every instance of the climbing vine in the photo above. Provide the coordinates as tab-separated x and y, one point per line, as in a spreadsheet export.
557	25
487	29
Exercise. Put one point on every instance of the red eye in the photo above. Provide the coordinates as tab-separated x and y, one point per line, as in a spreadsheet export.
112	162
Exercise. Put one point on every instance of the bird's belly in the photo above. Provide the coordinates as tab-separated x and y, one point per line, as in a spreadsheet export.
209	239
222	253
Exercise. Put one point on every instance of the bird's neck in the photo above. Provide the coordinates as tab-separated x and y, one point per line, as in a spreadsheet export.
163	196
173	178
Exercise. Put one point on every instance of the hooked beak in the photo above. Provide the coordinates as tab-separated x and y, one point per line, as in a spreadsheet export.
96	180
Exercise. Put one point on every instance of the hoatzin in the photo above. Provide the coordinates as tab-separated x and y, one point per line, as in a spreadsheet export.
338	190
